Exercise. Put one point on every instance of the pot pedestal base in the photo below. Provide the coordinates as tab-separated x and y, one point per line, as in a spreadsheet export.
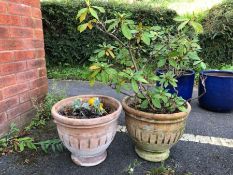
152	156
89	161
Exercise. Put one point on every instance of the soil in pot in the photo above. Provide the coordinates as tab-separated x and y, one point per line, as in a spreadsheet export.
83	113
86	109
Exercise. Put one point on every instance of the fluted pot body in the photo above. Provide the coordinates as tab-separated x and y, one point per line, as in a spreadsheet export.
87	139
154	134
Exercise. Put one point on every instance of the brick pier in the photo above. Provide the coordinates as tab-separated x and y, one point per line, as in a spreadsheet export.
22	61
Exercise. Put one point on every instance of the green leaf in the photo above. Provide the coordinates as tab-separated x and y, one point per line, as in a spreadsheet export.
140	78
126	31
101	54
80	12
144	104
161	62
203	65
112	26
172	63
101	9
21	147
182	25
53	148
197	27
164	98
182	108
173	83
134	86
145	38
104	76
156	102
197	62
82	27
93	13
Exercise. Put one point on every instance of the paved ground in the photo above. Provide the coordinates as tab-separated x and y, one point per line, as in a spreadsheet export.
186	156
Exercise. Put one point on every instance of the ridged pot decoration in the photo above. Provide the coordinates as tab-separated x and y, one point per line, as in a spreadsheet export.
154	134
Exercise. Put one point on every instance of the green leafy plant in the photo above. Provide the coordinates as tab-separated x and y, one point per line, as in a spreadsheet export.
54	144
81	108
130	170
180	51
43	108
24	142
15	140
6	140
126	64
19	141
93	104
162	170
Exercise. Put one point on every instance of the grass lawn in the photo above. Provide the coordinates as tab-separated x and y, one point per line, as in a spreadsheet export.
81	72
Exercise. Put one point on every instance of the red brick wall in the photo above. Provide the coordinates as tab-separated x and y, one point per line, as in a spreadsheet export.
22	61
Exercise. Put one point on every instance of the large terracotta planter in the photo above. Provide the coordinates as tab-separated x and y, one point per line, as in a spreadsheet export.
154	134
87	139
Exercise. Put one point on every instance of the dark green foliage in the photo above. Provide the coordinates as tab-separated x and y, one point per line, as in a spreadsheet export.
217	41
54	144
64	45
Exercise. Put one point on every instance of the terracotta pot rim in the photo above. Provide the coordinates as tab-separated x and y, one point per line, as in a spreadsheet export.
162	117
85	122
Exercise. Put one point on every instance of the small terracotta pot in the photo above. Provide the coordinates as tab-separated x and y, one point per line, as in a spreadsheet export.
87	139
154	134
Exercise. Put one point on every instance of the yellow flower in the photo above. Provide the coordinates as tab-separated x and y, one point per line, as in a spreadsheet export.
101	107
91	101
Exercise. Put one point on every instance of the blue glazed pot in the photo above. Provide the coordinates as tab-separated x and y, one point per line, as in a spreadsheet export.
184	85
219	90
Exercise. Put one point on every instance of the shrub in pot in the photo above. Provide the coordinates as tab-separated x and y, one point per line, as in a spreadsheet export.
216	90
87	125
178	52
155	118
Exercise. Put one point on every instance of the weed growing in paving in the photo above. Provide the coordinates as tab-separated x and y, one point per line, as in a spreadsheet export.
17	141
161	170
54	144
14	140
43	109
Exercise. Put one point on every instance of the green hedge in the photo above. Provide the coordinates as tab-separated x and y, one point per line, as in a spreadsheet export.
65	45
217	41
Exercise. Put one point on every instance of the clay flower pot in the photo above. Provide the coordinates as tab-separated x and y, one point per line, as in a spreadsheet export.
87	139
154	134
